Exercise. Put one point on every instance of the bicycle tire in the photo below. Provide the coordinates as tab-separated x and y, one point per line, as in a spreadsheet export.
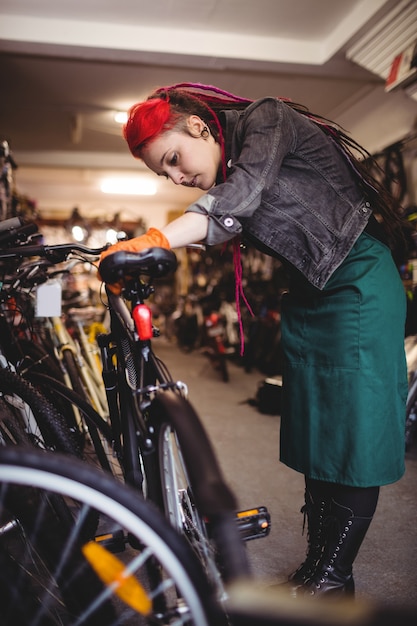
196	499
34	358
410	413
100	451
224	371
43	423
143	537
180	508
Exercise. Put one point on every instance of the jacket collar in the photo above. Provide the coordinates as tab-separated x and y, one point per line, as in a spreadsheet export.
228	121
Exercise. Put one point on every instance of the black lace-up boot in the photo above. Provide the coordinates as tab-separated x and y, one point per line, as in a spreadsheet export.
315	512
344	535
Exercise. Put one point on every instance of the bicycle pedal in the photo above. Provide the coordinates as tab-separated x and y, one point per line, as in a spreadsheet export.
113	542
253	523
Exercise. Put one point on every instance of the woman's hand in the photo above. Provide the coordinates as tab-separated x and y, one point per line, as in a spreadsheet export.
152	239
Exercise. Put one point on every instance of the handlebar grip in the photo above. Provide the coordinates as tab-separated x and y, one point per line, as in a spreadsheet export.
56	253
22	251
21	233
11	223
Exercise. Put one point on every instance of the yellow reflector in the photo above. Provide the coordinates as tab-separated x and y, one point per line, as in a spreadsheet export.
113	572
247	513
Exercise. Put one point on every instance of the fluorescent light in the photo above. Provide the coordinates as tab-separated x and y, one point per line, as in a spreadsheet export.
129	186
120	117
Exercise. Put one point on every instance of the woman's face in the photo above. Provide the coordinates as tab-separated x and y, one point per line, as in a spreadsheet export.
186	158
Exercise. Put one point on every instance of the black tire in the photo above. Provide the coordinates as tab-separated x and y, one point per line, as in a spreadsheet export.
135	532
224	371
37	360
411	414
97	448
44	425
196	499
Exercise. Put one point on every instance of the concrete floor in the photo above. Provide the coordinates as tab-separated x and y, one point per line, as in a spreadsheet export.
247	447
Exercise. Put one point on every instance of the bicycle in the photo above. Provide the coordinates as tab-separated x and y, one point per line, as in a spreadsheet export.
29	367
411	412
23	408
410	345
134	569
153	430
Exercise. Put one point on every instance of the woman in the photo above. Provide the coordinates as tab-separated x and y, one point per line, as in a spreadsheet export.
289	183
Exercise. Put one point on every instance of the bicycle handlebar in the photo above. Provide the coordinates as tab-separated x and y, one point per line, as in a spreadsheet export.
154	262
55	253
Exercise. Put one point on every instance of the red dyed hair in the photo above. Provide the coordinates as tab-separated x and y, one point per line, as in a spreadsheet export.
168	108
146	121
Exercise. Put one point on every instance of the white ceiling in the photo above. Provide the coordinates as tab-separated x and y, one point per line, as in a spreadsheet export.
67	65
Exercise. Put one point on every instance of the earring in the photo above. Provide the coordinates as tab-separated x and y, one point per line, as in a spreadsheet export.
205	132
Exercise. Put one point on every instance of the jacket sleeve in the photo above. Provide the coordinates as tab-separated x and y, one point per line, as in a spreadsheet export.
262	138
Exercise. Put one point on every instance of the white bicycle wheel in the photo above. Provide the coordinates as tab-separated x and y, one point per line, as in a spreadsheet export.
137	570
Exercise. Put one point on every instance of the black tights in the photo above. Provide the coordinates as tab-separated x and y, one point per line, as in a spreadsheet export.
361	500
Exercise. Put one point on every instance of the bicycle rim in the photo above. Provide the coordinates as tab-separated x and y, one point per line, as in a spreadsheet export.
59	580
180	507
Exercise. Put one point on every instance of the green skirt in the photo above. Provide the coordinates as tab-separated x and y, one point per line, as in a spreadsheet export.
345	374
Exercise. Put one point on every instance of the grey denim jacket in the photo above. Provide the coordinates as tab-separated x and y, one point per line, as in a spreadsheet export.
289	190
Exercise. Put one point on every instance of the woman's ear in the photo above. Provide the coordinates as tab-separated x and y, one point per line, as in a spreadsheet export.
195	125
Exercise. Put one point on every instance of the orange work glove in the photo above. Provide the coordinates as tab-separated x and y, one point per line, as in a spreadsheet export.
152	239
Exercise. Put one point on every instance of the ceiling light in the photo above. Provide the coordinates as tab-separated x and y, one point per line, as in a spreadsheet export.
129	186
120	117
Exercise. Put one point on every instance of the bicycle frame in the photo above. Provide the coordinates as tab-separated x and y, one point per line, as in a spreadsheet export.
132	375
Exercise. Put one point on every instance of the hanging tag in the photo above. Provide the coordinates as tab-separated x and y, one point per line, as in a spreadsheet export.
48	299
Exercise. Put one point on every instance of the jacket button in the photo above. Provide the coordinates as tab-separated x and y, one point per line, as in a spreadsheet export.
228	222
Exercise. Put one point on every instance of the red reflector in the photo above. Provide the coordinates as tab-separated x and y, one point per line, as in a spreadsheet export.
143	321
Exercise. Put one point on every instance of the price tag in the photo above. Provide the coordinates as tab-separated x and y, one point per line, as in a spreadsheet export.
48	299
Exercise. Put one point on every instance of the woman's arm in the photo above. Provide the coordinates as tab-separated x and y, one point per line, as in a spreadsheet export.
186	229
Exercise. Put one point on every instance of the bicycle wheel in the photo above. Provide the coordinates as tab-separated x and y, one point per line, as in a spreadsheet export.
107	579
180	508
411	413
44	426
96	437
196	499
32	359
12	432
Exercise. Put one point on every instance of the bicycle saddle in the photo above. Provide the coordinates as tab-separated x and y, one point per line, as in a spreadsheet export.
153	262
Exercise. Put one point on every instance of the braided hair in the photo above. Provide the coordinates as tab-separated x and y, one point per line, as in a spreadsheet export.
168	107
